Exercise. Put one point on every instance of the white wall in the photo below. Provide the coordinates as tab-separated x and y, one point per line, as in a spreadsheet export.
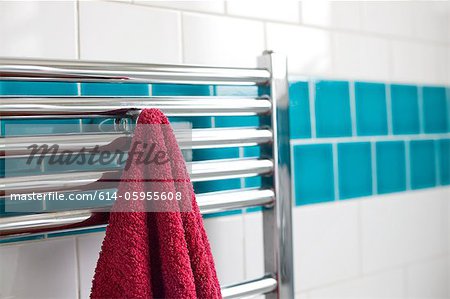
400	41
394	246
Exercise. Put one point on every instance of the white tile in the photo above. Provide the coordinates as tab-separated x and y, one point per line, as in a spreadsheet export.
254	245
130	33
301	295
214	6
88	252
226	237
428	279
419	62
401	228
325	244
387	285
42	269
431	20
361	57
221	41
388	17
286	10
407	62
309	50
333	14
44	29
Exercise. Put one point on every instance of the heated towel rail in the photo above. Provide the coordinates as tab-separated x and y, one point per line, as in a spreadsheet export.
274	195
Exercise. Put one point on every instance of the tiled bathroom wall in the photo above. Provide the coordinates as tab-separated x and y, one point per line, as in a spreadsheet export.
369	127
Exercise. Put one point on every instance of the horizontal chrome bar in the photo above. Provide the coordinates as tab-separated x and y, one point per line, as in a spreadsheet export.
229	169
215	202
14	147
13	107
82	219
91	180
93	71
250	288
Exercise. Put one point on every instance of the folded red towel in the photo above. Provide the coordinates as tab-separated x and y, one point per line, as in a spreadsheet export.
155	254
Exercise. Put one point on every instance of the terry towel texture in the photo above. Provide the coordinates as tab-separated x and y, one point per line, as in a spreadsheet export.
155	254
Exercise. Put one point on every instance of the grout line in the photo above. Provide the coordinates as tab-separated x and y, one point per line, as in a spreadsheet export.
390	60
407	165
437	163
352	106
360	236
312	106
335	171
266	46
420	103
181	37
373	154
225	8
293	190
150	89
389	109
300	11
77	266
77	30
370	138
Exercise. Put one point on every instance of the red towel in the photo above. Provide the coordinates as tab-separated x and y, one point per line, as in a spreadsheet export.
155	254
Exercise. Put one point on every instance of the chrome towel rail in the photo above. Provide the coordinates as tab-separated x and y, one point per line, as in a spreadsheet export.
91	180
14	147
11	107
208	203
273	138
94	71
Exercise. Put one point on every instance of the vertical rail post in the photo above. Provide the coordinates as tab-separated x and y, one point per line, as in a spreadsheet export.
278	251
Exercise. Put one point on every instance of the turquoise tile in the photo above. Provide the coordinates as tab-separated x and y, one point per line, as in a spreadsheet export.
114	89
299	115
2	168
434	110
370	105
217	185
215	153
252	151
37	88
332	104
444	161
77	232
405	109
391	168
181	90
222	214
236	121
230	90
313	172
21	127
252	182
201	122
423	169
355	170
21	239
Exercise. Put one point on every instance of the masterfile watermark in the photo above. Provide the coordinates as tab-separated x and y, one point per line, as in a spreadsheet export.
65	166
141	153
